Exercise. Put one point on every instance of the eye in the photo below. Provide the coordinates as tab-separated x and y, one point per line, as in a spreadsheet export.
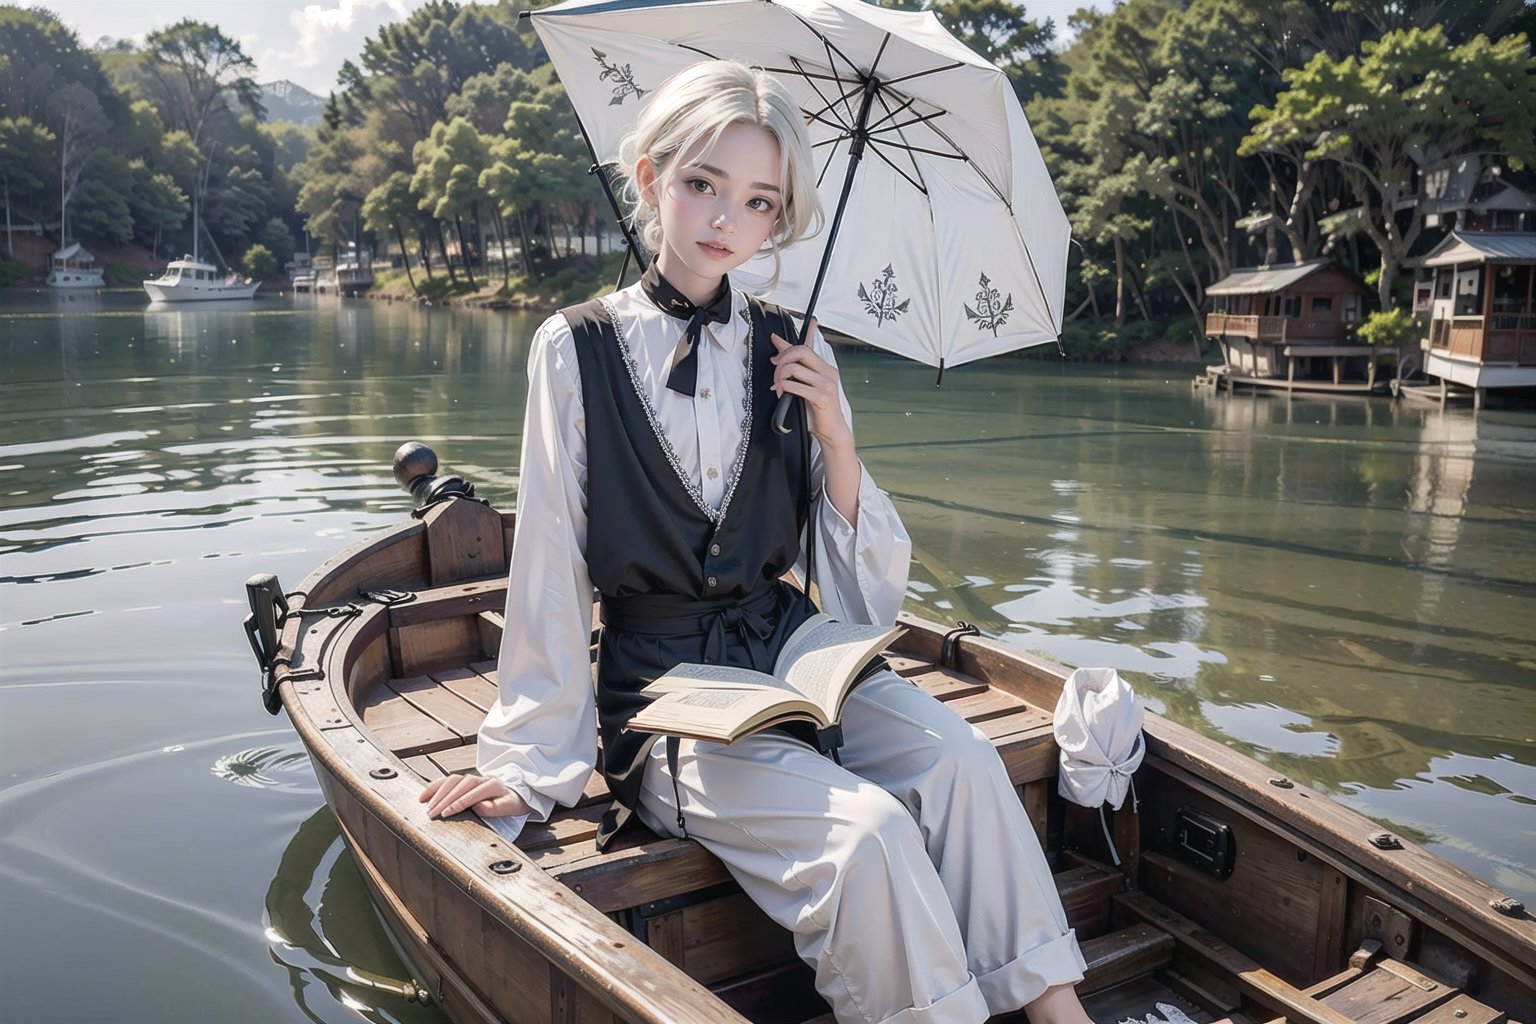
761	205
699	185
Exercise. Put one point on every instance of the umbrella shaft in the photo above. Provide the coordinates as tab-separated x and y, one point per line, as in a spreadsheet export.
855	154
860	136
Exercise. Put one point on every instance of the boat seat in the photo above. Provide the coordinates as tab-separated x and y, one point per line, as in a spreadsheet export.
430	722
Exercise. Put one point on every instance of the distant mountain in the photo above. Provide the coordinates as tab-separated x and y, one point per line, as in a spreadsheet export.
286	101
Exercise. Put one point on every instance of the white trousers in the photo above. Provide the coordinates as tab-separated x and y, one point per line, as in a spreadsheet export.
910	876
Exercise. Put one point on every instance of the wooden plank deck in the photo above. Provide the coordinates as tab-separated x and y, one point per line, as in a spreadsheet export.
430	722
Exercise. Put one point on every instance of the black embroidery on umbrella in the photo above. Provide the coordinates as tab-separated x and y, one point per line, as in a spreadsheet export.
880	300
623	75
989	313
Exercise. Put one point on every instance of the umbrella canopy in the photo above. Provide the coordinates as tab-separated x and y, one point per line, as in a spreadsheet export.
953	243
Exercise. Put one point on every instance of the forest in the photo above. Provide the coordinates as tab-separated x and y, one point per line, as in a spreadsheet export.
1186	138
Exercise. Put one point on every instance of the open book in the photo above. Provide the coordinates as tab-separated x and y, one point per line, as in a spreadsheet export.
815	671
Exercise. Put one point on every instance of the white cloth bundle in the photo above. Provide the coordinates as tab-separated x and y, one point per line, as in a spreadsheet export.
1098	728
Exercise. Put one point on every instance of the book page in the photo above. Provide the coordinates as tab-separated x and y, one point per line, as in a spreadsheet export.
827	632
713	713
692	676
823	661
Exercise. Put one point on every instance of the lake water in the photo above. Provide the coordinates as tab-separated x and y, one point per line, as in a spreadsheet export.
1344	589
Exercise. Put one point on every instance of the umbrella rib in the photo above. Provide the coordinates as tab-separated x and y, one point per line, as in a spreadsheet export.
877	143
920	74
843	97
825	42
915	184
695	49
907	124
922	183
828	165
831	142
852	117
830	105
890	113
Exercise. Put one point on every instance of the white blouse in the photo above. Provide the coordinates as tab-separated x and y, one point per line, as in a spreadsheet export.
541	737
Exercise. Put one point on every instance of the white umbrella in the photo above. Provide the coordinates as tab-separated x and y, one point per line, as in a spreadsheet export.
955	245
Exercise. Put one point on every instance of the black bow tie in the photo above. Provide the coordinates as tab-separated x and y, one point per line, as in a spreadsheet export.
684	378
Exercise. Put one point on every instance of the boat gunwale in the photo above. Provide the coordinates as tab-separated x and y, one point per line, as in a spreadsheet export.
1422	883
653	989
1340	836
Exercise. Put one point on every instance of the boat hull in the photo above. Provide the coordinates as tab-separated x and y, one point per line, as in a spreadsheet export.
75	279
199	292
388	692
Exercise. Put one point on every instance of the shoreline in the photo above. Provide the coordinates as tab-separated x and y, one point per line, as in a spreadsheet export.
565	288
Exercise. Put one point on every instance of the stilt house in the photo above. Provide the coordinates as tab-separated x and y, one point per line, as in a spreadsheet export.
1287	321
1481	307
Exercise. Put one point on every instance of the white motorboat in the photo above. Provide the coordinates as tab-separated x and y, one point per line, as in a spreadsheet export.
191	280
73	267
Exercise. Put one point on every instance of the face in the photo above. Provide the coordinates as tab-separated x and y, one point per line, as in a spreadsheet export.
717	206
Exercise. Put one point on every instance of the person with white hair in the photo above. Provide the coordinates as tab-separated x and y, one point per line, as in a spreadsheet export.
907	870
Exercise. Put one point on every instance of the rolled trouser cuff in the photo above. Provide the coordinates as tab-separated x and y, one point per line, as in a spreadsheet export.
1025	979
965	1005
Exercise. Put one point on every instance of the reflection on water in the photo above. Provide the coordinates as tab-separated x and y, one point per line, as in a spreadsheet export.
1342	588
319	937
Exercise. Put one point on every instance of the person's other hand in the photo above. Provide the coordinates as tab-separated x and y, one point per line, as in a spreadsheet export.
488	797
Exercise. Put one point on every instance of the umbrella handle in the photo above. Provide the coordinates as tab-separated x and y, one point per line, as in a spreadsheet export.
781	414
784	416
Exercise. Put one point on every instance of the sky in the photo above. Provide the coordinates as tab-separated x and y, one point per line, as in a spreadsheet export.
304	42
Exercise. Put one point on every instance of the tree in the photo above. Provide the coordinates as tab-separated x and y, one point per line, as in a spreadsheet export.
197	69
101	207
75	115
390	206
24	147
413	67
540	163
1002	33
1408	102
274	234
156	203
449	163
259	262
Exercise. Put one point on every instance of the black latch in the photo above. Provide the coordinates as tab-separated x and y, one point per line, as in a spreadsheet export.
1203	842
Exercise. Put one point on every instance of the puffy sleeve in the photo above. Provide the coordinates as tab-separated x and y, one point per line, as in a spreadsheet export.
541	736
862	572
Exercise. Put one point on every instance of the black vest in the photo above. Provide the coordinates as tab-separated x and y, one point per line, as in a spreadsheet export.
677	583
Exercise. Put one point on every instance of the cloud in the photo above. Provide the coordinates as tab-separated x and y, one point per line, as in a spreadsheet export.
325	34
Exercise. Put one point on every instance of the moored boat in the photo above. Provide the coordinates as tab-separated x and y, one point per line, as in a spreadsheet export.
73	267
1238	894
191	280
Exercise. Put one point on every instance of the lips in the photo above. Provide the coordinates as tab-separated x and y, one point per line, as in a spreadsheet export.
714	250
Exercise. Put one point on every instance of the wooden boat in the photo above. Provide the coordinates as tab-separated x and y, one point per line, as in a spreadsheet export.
1239	894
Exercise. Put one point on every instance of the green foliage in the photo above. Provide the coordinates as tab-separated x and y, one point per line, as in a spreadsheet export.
277	239
197	70
12	271
1407	102
155	202
1390	328
121	275
259	262
100	206
25	148
449	163
134	131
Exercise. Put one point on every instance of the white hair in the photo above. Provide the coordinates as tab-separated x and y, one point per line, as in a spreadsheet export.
701	102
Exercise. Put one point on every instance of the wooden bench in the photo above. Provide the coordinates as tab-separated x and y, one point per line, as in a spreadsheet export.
430	722
673	894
